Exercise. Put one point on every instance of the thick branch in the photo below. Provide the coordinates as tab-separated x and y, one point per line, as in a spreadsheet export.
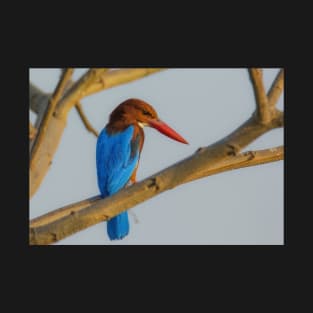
276	89
118	77
66	76
61	223
85	119
263	112
245	159
65	80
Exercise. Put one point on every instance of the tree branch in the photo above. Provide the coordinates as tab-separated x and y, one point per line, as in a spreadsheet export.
80	110
46	145
77	91
65	77
118	77
245	159
256	77
85	119
63	222
276	89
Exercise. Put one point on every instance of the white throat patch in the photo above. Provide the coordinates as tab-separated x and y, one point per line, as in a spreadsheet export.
142	125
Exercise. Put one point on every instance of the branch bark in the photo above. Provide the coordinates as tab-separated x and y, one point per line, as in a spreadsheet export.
276	89
61	223
245	159
256	76
77	91
118	77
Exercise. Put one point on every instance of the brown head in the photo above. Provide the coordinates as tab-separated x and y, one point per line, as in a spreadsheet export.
133	111
140	113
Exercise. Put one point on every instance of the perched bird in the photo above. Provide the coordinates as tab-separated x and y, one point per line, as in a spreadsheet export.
118	151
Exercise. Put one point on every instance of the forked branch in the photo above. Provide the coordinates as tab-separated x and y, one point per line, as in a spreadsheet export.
46	144
256	76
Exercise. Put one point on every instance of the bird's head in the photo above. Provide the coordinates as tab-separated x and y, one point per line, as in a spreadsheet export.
136	111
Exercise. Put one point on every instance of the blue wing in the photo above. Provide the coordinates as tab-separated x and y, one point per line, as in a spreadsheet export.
116	158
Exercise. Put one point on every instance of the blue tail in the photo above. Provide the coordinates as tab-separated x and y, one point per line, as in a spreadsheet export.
118	226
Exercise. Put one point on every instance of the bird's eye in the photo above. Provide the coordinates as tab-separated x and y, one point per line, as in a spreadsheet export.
144	112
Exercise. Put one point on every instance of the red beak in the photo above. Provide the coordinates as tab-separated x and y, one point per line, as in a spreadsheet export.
166	130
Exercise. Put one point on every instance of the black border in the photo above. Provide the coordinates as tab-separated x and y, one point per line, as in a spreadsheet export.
175	258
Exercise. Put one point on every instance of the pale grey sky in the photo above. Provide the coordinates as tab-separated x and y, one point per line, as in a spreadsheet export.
239	207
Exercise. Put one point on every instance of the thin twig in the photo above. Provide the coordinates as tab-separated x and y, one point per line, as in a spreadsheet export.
256	76
85	119
80	110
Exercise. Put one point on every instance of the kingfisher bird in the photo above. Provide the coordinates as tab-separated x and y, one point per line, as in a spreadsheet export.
118	152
